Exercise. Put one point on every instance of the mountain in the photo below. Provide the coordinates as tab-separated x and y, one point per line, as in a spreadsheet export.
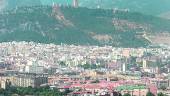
150	7
10	4
165	15
82	26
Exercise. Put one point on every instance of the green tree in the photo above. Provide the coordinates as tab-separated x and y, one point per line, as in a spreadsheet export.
161	94
62	63
2	91
96	81
127	94
150	94
22	91
86	66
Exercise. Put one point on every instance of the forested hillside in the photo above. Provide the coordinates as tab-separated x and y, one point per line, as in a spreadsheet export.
79	26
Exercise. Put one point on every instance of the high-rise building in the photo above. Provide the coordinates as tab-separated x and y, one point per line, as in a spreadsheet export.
144	64
75	3
123	67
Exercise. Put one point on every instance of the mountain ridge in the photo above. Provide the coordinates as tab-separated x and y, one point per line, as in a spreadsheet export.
150	7
81	26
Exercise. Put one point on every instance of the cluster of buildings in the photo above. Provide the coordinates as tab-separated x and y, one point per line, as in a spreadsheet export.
23	80
83	70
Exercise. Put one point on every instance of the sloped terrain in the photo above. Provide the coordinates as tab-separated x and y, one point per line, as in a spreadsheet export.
151	7
79	26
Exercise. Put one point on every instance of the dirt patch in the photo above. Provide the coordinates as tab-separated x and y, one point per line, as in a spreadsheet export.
124	25
60	16
161	38
101	37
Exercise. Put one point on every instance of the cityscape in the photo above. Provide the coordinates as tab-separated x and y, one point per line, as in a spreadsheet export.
86	69
84	48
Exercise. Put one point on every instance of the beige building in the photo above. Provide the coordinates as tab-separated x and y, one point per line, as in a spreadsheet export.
28	79
6	81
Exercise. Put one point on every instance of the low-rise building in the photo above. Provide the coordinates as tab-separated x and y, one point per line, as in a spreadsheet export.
133	90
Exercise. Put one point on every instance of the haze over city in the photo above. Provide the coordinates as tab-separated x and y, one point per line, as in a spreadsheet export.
84	48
